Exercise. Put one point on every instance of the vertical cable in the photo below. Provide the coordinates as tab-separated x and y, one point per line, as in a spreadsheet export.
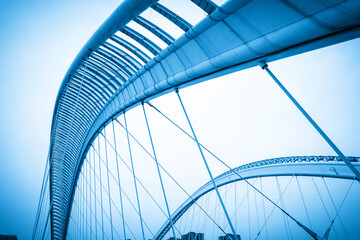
118	175
322	201
90	208
333	203
235	206
78	212
76	216
158	170
152	198
101	188
263	205
198	215
79	191
78	221
236	173
337	212
83	203
256	209
205	219
286	223
171	177
248	210
215	214
86	203
86	192
140	185
243	199
116	208
207	167
303	200
133	171
226	190
83	206
108	181
96	221
214	207
264	66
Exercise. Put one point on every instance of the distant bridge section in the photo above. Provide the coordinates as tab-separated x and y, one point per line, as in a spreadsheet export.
309	166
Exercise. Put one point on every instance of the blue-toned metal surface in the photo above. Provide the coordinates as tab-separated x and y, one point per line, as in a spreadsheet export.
206	5
164	36
102	81
177	20
314	166
73	115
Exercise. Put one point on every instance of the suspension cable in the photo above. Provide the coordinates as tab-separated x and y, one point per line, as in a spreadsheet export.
263	205
310	232
138	180
264	66
108	181
172	178
256	208
322	201
101	197
337	212
333	203
303	200
118	175
128	197
97	200
96	220
266	220
207	167
158	170
136	190
286	222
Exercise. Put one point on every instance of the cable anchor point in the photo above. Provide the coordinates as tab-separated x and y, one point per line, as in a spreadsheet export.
262	64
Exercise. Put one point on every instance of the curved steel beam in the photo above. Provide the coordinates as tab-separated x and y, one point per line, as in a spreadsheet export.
132	48
113	75
141	39
173	17
201	54
101	75
164	36
122	65
235	36
313	166
128	58
121	16
207	5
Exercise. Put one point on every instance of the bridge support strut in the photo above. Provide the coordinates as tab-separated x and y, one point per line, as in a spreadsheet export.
208	169
265	67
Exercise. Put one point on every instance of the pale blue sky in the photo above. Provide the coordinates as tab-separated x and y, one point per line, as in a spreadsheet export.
39	40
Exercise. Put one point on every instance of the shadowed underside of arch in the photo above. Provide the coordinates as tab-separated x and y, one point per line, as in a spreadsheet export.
111	74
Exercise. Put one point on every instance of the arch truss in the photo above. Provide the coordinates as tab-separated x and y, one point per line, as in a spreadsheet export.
133	58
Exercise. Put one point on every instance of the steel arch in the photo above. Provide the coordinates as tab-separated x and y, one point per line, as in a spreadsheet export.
311	166
246	38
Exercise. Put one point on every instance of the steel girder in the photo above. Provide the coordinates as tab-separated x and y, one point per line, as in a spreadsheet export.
232	37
